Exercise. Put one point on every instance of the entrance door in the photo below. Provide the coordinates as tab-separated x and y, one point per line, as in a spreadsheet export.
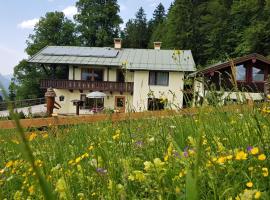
120	103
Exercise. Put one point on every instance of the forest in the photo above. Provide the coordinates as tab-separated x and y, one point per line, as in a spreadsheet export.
214	30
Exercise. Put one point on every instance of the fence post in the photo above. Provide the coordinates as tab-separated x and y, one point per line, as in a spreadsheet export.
267	88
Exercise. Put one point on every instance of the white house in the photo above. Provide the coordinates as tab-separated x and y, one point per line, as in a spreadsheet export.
132	79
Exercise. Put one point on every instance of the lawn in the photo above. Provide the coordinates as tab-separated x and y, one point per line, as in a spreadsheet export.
211	155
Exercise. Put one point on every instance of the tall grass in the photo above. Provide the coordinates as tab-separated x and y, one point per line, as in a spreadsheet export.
180	157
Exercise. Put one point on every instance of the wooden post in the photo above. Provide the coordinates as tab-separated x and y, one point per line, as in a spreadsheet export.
267	88
78	108
50	99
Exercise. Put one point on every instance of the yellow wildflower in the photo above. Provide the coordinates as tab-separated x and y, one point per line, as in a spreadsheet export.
265	171
158	163
254	151
116	136
241	155
131	177
45	135
182	173
229	157
71	162
15	141
91	148
147	165
177	190
61	188
139	175
86	155
77	160
257	195
9	164
31	190
32	136
249	184
110	185
169	152
262	157
221	160
266	110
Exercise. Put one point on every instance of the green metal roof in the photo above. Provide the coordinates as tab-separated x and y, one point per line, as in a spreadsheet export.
133	59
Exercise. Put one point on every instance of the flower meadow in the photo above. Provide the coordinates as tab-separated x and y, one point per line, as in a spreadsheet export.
210	155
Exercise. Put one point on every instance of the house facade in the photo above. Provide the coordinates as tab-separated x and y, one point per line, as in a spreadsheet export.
241	79
132	79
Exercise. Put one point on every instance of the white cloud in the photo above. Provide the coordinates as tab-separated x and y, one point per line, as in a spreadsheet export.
70	11
28	24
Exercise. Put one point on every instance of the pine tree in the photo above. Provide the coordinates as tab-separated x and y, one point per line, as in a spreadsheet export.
98	22
155	25
136	33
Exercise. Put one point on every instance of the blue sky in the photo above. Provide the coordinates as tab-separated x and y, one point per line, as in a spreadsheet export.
17	18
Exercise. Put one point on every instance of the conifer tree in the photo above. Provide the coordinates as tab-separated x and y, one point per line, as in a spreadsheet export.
136	34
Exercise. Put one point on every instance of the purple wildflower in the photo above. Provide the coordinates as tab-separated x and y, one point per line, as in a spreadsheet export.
139	144
176	154
185	152
249	148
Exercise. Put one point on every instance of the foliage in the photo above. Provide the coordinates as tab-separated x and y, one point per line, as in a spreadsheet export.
136	34
25	84
214	30
215	155
155	24
53	29
98	22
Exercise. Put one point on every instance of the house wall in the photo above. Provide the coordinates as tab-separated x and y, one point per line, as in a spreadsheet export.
109	73
173	92
138	101
67	106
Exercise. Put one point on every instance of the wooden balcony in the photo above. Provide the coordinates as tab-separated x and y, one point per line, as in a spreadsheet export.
87	85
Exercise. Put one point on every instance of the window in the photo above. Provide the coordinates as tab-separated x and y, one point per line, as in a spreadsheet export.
120	77
158	78
61	98
257	74
91	103
120	102
155	104
241	73
92	74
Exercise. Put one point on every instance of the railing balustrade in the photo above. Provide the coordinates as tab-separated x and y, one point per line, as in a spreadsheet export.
87	85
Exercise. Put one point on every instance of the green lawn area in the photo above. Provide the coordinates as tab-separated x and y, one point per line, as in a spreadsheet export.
217	155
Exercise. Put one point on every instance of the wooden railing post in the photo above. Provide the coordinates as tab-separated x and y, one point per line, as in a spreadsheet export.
267	88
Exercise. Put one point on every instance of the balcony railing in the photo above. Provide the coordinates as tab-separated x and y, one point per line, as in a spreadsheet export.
88	85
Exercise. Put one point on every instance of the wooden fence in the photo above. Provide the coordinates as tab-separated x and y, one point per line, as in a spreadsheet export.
58	121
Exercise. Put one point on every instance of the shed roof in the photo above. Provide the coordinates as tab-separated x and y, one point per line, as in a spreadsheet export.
134	59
